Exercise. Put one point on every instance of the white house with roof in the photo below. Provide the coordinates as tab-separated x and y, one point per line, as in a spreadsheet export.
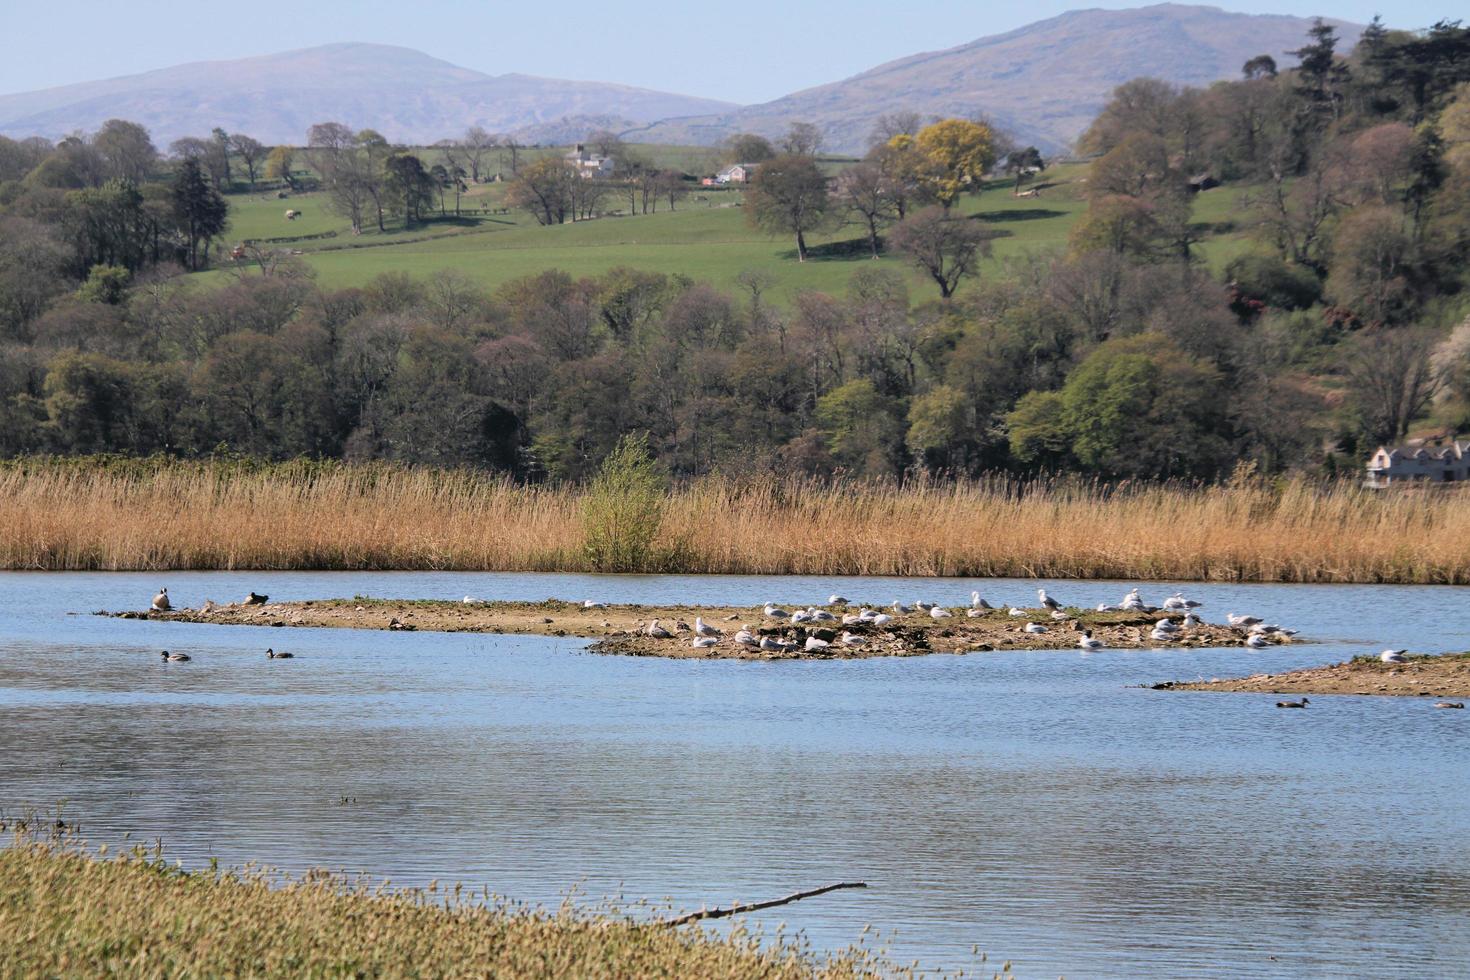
1420	461
736	173
590	164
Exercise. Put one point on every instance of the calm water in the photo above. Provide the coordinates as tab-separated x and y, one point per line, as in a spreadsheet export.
1033	804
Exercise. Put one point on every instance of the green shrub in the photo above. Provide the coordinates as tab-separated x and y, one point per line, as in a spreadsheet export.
623	509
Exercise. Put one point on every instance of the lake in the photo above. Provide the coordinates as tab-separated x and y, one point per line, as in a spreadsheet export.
1036	805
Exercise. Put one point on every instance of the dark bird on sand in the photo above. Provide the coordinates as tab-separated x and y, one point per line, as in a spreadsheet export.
255	599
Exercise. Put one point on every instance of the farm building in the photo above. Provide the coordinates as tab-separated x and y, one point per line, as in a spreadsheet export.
736	173
1421	461
589	164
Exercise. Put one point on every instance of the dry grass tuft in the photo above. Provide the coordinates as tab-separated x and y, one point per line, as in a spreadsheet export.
150	515
63	913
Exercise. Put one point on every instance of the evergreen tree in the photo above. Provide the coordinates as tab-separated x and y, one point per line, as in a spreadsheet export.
199	212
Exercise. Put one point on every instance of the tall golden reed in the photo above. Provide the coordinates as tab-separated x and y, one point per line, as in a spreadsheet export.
75	515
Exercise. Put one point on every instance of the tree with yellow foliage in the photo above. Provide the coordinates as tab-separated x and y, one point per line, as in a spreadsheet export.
959	153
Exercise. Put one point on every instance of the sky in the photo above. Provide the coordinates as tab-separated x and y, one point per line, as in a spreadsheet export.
744	51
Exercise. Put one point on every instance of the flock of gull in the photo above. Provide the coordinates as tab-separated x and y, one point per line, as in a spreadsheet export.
1260	634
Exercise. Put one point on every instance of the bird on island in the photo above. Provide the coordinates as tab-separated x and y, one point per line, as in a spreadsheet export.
821	615
271	654
801	616
1177	603
1191	620
924	606
1058	615
176	658
1089	642
705	629
814	645
658	632
978	603
769	644
852	640
1132	601
160	601
700	642
255	599
1162	636
1256	641
1166	626
868	615
1393	656
776	612
940	613
852	619
1015	611
881	619
1106	607
1294	704
900	608
744	637
1047	601
589	604
1449	704
681	627
1242	620
1036	628
836	600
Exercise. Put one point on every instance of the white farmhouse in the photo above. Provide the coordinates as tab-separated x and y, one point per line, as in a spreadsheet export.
1418	461
736	173
590	164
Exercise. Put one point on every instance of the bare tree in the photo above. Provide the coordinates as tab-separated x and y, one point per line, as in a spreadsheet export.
334	152
948	249
865	190
1393	379
476	143
803	139
892	124
251	152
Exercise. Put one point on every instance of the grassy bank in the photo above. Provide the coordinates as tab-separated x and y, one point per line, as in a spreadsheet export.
73	515
65	914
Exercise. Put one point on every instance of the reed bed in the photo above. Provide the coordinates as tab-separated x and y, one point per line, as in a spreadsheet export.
64	913
140	515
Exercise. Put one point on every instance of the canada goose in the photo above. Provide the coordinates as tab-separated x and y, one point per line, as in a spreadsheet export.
699	642
160	601
1036	628
1449	704
255	599
1241	620
814	645
658	632
176	658
1293	704
852	640
939	613
705	629
1393	656
1256	641
775	612
1088	642
1046	600
836	600
273	655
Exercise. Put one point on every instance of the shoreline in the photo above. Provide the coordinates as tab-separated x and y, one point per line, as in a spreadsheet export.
618	629
1439	676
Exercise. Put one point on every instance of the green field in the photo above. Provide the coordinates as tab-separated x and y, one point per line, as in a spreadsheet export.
706	238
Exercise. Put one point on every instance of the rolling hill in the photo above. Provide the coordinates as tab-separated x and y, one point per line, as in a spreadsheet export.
1044	82
406	95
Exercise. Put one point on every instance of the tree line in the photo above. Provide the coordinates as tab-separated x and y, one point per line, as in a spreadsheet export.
1122	355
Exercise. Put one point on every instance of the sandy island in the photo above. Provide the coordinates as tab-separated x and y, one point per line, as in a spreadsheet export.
618	629
1446	676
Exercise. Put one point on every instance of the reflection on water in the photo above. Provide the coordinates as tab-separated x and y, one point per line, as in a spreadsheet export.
1033	804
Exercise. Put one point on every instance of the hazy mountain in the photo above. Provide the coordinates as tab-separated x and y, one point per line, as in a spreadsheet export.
1044	82
404	94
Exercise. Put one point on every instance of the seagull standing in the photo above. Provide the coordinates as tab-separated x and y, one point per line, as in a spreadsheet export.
658	632
1047	601
705	629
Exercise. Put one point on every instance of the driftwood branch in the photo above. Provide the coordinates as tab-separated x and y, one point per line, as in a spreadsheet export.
757	906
